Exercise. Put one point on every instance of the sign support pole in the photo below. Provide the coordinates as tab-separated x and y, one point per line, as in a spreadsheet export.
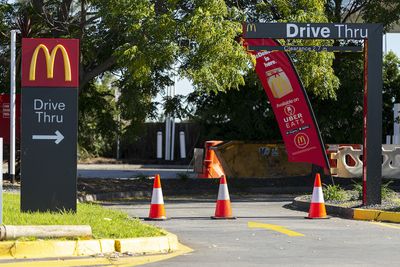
11	170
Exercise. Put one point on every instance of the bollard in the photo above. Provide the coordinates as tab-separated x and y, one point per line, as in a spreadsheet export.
159	145
182	144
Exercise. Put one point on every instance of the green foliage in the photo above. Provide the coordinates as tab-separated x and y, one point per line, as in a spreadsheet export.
315	69
359	190
334	193
391	92
340	120
387	193
98	124
144	42
105	223
243	114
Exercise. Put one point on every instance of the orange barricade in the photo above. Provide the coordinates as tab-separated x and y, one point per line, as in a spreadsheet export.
212	167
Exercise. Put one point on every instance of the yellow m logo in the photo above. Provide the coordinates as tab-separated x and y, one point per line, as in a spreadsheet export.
301	140
50	58
251	27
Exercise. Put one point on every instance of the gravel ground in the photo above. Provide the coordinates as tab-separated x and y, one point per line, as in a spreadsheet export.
392	204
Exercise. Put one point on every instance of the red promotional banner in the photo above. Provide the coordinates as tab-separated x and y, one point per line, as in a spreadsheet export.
290	104
50	62
5	117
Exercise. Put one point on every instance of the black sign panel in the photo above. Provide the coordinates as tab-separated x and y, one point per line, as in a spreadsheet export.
49	138
309	30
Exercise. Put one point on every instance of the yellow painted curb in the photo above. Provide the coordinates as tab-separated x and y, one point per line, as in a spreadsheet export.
42	249
57	248
159	244
376	215
126	261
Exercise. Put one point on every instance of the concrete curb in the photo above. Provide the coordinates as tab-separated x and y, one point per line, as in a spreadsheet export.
58	248
352	213
114	195
147	194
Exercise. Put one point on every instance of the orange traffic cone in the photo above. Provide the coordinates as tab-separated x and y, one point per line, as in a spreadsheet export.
223	209
317	207
157	211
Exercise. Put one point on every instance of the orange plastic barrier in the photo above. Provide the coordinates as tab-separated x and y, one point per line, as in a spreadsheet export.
212	167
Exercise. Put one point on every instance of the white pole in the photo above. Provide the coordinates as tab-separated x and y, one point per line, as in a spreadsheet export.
159	145
385	52
167	131
117	94
182	144
395	140
12	107
388	137
396	125
172	138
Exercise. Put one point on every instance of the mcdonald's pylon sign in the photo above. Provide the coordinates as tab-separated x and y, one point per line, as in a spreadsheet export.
50	62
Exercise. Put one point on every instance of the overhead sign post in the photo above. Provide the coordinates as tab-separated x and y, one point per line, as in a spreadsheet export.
372	36
49	120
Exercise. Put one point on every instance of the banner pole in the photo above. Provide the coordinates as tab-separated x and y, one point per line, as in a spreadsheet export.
365	132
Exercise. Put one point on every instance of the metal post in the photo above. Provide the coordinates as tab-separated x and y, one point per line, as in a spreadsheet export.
172	138
372	155
11	170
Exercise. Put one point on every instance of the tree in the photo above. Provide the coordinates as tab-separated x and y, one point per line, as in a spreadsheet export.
246	114
386	12
341	119
391	92
141	41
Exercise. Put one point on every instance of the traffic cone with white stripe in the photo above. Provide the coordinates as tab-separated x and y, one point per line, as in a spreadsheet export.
317	206
157	211
223	209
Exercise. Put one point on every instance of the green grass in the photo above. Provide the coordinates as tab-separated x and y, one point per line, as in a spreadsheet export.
105	223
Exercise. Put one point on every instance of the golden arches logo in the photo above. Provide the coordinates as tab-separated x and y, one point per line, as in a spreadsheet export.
50	58
301	140
251	27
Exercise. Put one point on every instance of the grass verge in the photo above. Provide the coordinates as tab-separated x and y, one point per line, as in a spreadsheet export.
105	223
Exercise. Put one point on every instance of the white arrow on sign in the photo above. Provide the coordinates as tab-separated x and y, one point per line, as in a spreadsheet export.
58	137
